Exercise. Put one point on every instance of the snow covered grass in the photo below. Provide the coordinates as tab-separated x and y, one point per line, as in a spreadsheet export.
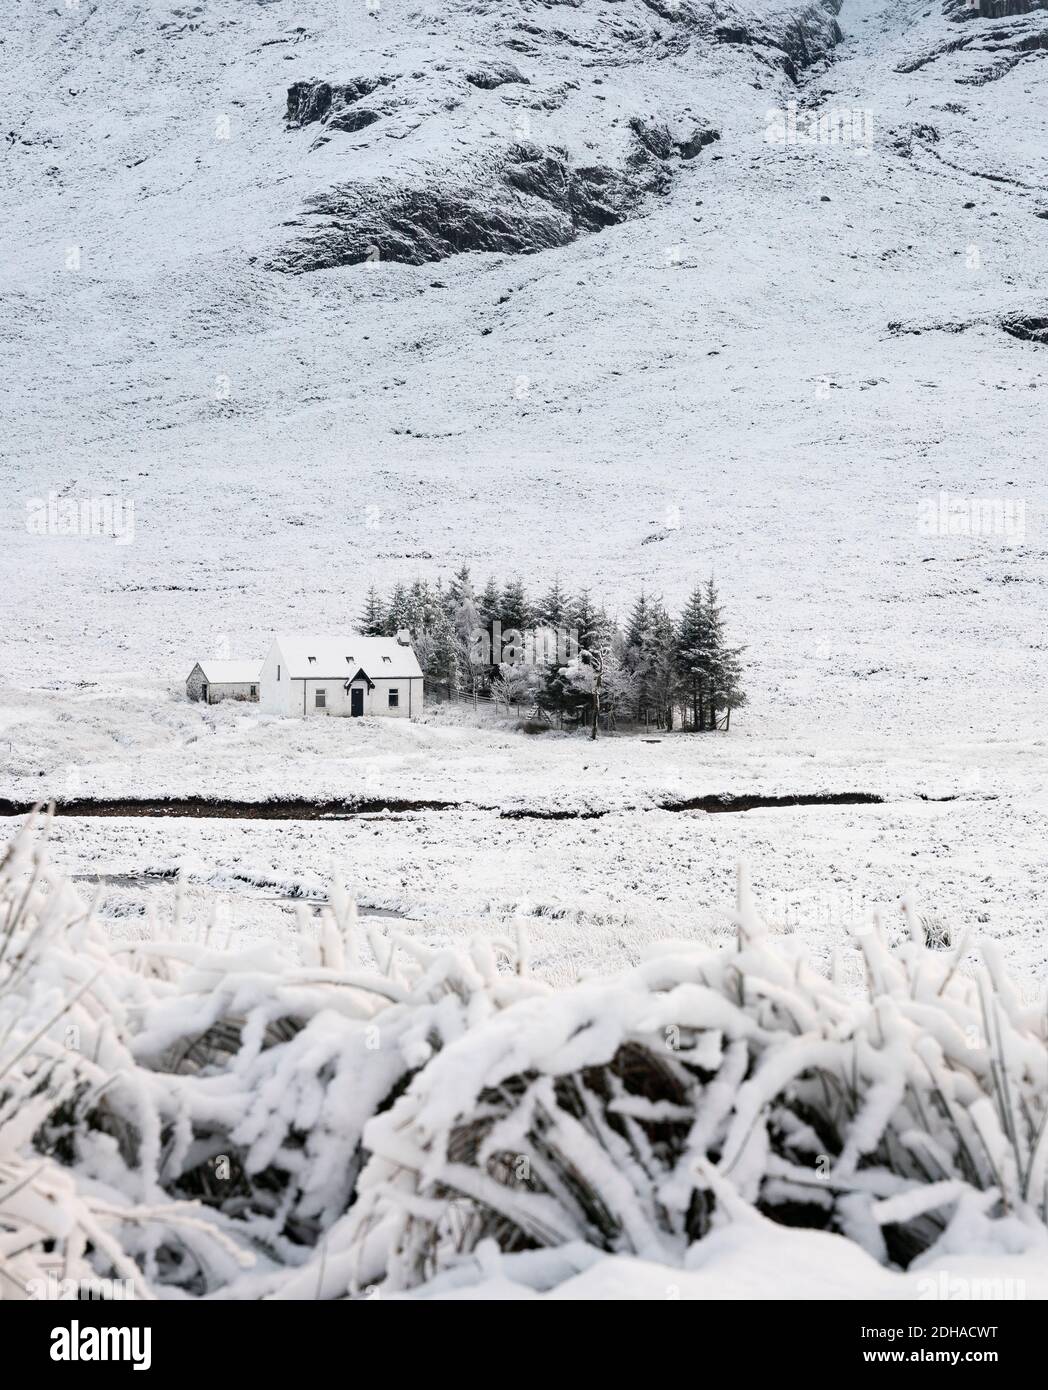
240	1123
107	741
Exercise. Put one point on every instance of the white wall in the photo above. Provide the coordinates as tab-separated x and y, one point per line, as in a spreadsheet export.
281	696
285	696
376	701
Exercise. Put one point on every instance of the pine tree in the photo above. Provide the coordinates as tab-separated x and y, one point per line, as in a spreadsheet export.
515	608
638	625
661	674
458	589
372	622
421	606
442	663
709	671
637	652
583	617
732	696
398	611
725	680
715	650
490	602
606	629
691	655
552	609
648	656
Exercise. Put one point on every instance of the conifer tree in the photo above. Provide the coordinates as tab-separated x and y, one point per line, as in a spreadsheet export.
372	622
725	680
490	602
552	609
459	588
398	611
515	608
659	664
638	625
636	656
691	658
583	616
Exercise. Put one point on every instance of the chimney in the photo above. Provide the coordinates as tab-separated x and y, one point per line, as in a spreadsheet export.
404	637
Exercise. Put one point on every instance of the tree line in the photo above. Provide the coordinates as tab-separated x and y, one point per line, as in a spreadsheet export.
564	655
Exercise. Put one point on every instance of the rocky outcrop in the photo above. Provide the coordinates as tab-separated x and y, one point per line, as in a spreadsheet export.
524	200
349	121
327	101
1032	328
962	10
1005	44
578	160
495	75
793	42
659	140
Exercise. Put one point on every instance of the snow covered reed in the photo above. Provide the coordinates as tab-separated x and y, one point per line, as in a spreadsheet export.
244	1123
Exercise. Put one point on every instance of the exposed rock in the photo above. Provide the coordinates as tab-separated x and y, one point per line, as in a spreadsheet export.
353	120
1032	328
804	40
654	136
317	101
961	10
307	102
495	75
658	140
697	141
526	197
523	200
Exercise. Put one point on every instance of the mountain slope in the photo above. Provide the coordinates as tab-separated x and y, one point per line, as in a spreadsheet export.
528	285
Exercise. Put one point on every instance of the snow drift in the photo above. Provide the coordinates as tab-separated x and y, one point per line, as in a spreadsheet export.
198	1121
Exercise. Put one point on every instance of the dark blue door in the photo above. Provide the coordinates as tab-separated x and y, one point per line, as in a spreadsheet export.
356	702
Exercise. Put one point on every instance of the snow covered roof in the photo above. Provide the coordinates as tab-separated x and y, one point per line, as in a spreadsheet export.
230	672
342	657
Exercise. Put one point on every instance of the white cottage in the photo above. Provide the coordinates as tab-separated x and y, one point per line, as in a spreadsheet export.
212	681
348	675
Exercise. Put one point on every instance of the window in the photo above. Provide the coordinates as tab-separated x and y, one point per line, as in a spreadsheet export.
386	659
278	673
312	660
394	698
321	698
254	692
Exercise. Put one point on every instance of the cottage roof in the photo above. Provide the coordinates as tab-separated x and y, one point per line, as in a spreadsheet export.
230	672
340	658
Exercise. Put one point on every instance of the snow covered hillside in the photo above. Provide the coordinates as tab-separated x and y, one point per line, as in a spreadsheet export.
334	291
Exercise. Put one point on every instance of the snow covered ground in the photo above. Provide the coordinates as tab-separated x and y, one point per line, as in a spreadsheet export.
746	1262
594	891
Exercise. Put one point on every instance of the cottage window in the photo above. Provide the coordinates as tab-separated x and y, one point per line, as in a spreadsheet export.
394	698
312	660
386	659
321	697
278	673
254	692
